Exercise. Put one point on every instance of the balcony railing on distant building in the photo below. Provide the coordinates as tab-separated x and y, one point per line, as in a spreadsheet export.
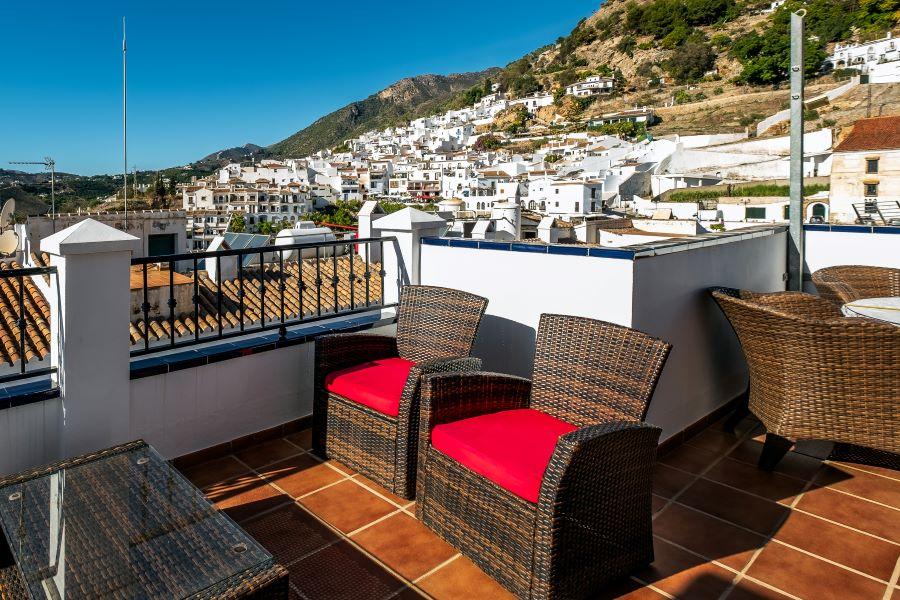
236	292
25	323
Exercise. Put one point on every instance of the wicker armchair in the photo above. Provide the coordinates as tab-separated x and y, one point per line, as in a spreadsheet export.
817	376
545	484
366	397
847	283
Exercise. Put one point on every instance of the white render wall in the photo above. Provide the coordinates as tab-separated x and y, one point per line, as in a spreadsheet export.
852	245
30	435
706	367
520	286
663	295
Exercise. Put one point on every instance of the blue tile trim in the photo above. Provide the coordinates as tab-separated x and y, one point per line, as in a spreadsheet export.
28	393
889	229
611	253
460	243
196	357
434	241
487	245
568	250
533	248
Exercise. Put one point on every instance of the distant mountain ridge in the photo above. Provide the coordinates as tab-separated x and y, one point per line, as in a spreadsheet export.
406	99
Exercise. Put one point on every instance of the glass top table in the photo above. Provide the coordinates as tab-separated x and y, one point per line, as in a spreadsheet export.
123	523
880	309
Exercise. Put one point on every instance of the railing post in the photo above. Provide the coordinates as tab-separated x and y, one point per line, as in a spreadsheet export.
401	259
90	308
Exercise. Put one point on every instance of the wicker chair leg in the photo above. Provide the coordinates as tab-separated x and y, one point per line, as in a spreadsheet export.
740	411
773	451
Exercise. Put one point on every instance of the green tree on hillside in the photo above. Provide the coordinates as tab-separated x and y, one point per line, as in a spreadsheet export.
159	192
690	61
237	224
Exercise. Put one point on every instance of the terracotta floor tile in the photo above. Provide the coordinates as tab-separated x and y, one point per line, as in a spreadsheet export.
751	479
859	483
462	580
884	471
658	503
289	533
244	496
340	467
752	512
854	512
793	464
707	536
214	471
683	574
668	481
405	545
267	452
847	547
347	506
408	593
301	438
689	458
379	489
808	577
627	589
339	572
713	440
743	427
300	475
750	590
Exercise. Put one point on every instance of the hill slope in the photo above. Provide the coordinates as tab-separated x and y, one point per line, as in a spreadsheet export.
404	100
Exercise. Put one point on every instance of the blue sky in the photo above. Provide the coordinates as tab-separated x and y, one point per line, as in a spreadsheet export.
203	76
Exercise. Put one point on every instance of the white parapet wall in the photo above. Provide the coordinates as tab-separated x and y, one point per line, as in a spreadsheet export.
831	245
662	292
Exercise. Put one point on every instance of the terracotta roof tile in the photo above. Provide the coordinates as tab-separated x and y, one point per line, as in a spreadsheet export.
878	133
37	319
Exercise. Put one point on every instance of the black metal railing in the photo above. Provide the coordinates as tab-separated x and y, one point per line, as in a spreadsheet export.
25	328
240	291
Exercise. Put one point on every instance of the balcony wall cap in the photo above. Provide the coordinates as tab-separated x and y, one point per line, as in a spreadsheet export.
89	237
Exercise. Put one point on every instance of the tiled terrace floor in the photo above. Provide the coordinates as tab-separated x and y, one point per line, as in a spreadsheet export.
723	528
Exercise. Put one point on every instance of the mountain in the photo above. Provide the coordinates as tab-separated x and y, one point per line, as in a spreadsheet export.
406	99
236	154
703	54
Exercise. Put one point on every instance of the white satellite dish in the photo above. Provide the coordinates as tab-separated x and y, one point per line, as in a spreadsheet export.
9	241
9	207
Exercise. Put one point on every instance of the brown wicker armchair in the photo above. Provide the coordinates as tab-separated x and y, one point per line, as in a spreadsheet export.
817	376
846	283
545	484
366	397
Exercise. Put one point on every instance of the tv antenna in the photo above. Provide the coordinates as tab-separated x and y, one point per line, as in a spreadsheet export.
47	163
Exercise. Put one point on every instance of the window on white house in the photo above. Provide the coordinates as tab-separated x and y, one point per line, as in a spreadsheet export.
871	165
871	190
576	206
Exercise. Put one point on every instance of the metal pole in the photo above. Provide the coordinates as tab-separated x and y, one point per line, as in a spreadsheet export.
125	122
53	191
795	247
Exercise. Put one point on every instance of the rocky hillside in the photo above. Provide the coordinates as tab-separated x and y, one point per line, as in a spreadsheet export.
404	100
661	52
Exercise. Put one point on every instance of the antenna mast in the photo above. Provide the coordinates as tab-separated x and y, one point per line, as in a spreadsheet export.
125	123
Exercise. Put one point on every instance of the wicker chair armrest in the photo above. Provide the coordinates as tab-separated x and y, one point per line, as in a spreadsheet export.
341	350
594	505
448	397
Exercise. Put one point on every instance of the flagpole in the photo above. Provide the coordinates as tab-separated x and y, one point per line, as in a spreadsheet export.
125	122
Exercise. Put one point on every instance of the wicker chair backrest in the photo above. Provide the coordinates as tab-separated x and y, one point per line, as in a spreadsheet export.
436	322
837	378
588	371
846	283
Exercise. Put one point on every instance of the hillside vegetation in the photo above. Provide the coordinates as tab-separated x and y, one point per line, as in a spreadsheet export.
407	99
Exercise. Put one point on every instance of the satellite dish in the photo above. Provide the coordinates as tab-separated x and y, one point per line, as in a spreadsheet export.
7	212
9	241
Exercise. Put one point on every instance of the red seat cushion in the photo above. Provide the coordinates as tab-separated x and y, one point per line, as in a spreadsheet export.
512	448
377	384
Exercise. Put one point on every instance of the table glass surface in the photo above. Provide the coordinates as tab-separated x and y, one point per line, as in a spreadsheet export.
881	309
122	525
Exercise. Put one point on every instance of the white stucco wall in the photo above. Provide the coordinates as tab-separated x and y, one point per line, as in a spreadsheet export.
520	286
29	435
857	247
706	368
